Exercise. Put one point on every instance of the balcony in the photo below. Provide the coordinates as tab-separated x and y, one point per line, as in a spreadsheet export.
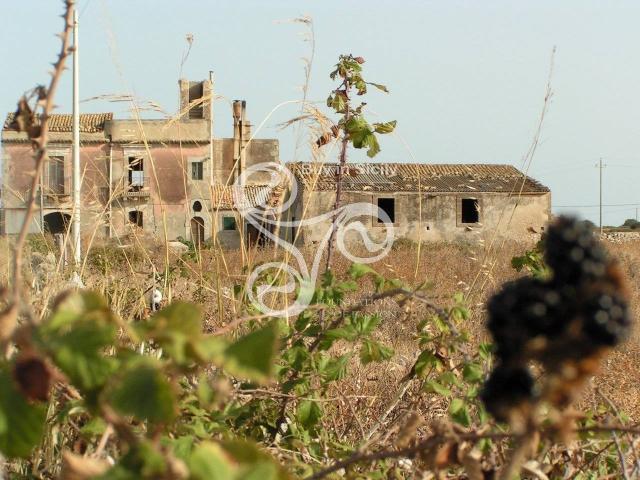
133	188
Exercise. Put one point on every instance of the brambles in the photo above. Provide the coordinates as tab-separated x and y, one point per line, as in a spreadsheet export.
565	323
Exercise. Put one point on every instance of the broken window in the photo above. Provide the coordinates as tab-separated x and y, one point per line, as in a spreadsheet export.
228	223
135	217
55	176
136	173
197	170
388	206
470	212
196	92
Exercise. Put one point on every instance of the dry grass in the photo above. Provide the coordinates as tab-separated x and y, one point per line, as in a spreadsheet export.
125	274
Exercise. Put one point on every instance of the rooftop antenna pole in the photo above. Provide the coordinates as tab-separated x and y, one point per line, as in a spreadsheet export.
76	147
600	166
211	79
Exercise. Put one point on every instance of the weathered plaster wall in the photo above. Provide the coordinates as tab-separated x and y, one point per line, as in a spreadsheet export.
434	217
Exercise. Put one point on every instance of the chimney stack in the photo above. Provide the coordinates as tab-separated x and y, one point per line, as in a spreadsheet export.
241	135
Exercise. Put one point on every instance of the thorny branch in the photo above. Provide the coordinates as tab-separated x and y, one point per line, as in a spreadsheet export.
433	441
39	137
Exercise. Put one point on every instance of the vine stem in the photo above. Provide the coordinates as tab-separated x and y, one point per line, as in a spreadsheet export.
40	147
343	163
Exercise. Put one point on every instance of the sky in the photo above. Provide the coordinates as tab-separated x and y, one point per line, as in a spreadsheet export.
467	79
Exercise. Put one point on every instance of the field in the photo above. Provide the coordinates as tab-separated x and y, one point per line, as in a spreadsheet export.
125	276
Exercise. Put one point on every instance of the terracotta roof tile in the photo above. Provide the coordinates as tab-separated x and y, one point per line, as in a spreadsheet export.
228	197
62	122
407	177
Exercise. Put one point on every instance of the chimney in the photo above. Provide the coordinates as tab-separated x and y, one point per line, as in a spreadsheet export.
195	98
241	135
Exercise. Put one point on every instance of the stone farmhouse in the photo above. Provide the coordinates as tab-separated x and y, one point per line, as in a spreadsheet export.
427	202
166	178
170	179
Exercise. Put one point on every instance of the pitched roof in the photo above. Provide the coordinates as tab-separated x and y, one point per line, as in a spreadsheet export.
63	122
229	197
409	177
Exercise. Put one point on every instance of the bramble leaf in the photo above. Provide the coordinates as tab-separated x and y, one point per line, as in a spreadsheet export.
21	422
144	392
253	355
308	414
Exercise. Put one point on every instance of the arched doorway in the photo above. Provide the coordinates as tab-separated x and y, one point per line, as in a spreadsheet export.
56	222
197	231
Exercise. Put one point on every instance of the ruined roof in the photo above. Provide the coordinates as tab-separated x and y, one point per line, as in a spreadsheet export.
410	177
230	197
63	122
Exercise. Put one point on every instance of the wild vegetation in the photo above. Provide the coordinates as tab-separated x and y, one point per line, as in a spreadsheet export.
389	372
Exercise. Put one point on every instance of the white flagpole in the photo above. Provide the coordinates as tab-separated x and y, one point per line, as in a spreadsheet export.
76	146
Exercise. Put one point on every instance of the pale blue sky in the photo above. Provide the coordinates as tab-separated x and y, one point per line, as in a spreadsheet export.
467	78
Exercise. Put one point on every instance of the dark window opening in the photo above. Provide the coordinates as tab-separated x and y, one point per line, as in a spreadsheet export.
197	206
56	222
136	174
228	223
257	236
135	217
55	176
197	170
470	210
196	92
388	206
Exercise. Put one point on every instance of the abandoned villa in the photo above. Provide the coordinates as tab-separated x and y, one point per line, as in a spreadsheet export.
171	179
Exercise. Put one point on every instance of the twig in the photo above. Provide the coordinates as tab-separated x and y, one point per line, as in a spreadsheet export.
40	146
618	416
362	457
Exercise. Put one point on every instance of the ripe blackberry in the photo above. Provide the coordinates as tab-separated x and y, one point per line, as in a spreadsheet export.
505	389
522	310
573	253
607	320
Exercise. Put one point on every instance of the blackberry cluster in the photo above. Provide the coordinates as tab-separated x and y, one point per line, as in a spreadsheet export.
567	320
505	389
573	253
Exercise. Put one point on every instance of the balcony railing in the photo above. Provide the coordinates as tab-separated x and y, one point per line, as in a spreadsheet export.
134	188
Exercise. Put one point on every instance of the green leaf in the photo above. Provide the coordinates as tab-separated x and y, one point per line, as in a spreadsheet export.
308	414
93	428
210	462
21	422
472	372
425	362
176	328
348	332
459	412
371	143
254	463
144	392
253	356
379	87
435	387
386	127
77	333
336	368
358	270
365	324
372	351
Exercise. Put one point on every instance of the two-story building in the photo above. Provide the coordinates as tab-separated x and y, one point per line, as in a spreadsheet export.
167	178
